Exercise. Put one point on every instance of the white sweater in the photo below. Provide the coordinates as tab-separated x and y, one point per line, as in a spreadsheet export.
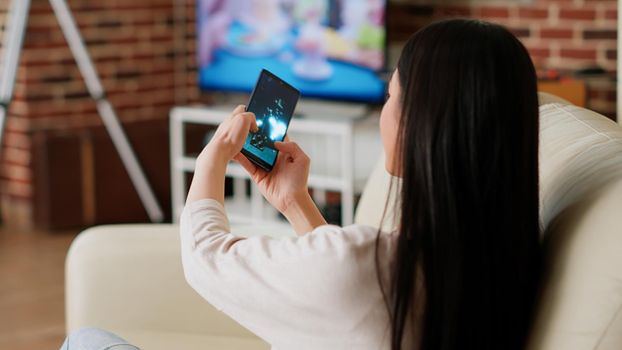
316	291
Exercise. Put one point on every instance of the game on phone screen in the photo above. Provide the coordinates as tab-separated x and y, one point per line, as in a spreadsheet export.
273	102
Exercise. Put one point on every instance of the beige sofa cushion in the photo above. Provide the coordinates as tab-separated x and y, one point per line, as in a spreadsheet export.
128	279
581	305
580	151
374	197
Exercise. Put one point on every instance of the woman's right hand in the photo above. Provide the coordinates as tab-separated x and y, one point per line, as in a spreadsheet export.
288	178
285	187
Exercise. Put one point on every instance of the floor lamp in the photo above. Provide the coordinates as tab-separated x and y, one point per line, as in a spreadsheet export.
13	39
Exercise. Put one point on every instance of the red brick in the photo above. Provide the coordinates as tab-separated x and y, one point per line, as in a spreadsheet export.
611	14
586	54
18	108
530	12
577	14
16	172
556	33
17	189
16	156
591	34
449	11
19	125
612	55
539	52
16	140
494	12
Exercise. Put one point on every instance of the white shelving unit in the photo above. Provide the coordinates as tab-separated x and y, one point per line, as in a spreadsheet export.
343	151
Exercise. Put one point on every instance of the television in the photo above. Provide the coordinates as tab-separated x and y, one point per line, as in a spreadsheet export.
329	49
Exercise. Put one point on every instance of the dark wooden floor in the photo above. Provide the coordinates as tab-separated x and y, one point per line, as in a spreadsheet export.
32	288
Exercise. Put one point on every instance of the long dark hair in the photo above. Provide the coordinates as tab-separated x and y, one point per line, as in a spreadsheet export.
467	259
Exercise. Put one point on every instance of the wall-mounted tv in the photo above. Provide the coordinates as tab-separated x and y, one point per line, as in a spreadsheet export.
332	49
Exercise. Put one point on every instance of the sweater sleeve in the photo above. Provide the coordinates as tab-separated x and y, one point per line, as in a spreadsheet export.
289	291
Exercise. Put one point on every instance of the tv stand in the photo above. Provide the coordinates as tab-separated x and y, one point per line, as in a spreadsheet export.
306	108
333	110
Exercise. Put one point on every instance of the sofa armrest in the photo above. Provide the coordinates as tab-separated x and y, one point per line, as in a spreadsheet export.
130	277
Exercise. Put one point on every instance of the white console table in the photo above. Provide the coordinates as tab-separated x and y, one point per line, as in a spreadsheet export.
343	152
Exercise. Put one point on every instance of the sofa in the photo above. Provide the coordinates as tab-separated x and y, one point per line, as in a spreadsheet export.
128	278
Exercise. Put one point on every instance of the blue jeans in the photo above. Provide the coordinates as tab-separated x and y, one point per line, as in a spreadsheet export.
95	339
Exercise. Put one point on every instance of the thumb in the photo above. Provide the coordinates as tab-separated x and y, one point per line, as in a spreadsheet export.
288	147
296	154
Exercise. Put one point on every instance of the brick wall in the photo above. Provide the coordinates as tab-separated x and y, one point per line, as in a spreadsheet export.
565	35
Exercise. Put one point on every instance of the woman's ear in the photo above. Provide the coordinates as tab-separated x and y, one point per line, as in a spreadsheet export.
389	125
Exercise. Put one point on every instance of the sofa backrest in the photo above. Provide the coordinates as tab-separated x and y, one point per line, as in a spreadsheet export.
369	209
581	213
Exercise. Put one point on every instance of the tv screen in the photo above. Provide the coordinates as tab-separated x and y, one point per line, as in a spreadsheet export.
331	49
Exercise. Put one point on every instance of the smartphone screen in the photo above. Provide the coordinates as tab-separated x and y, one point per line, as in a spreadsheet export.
273	102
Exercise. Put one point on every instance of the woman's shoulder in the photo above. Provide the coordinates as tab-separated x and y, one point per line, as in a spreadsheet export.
355	231
348	244
347	236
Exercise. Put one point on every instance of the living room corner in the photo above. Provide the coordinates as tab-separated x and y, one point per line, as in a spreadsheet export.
113	104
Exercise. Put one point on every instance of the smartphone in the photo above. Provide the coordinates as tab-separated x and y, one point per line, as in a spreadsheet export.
273	102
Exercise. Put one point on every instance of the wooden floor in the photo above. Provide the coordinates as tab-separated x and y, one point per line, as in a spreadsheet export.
32	288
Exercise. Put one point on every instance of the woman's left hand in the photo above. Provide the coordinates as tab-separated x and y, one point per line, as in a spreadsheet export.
211	164
231	134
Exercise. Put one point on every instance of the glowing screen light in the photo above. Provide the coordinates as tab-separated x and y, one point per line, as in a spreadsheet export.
277	128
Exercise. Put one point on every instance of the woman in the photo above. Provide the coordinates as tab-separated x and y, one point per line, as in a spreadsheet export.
461	270
460	128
